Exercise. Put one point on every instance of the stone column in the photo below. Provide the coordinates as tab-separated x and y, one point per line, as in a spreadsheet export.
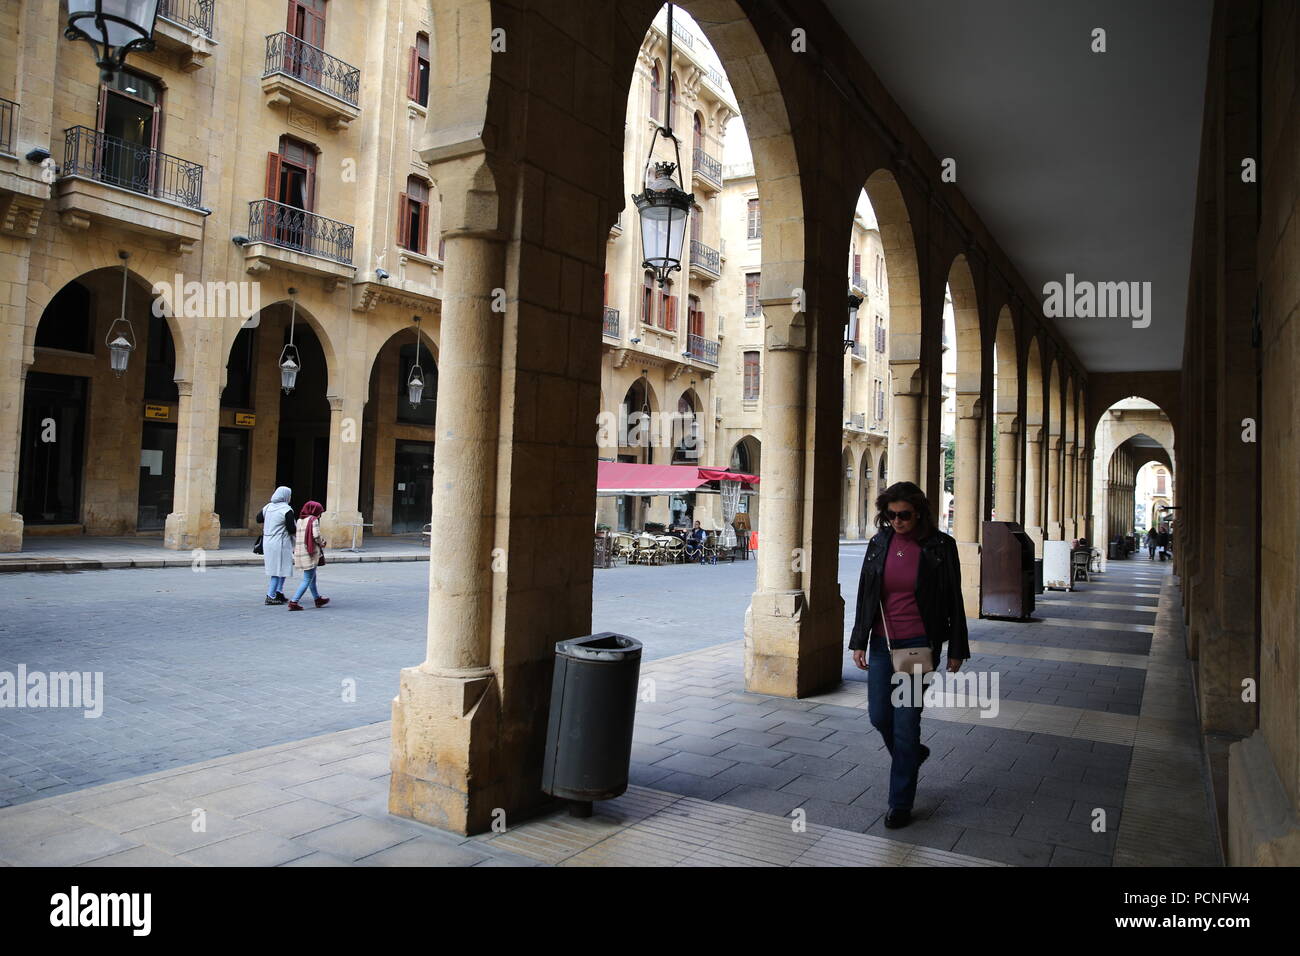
906	437
1068	519
343	479
1034	486
854	495
1007	487
446	713
772	623
13	382
194	524
967	466
1053	530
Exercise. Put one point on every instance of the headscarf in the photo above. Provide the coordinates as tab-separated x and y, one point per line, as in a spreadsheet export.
309	511
281	496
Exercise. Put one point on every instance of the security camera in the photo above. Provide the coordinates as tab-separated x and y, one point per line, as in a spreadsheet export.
240	240
381	274
38	155
634	341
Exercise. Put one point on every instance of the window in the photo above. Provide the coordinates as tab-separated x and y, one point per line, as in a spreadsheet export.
672	98
751	376
648	298
668	308
413	216
880	333
880	271
129	112
752	305
857	267
880	400
417	80
697	223
755	220
1160	482
699	131
291	174
656	88
694	317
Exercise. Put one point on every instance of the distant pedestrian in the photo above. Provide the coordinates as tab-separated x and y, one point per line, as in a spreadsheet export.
1164	542
909	596
1152	537
308	553
277	543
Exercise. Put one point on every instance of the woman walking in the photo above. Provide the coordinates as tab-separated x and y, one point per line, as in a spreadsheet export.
308	553
909	595
277	543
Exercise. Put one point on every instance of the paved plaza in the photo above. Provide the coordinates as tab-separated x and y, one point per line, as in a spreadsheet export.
203	711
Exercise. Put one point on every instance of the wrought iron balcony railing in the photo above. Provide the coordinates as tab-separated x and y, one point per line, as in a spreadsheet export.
705	257
684	35
107	159
611	322
858	282
194	14
8	125
292	228
707	166
859	421
291	56
859	350
706	350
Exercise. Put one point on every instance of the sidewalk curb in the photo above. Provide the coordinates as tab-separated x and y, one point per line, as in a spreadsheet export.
90	564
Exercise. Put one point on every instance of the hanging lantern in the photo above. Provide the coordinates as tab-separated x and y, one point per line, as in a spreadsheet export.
113	28
290	361
664	204
415	382
120	338
851	327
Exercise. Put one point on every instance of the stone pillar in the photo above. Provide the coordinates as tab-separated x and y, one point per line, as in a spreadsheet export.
967	468
1053	529
13	382
906	435
1007	488
773	621
1034	486
446	713
853	493
343	479
1068	520
194	524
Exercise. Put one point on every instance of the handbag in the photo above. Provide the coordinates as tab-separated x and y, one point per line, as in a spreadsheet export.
257	545
322	558
907	660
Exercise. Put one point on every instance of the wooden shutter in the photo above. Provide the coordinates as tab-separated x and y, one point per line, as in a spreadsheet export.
670	314
403	222
311	187
273	177
857	265
413	75
424	228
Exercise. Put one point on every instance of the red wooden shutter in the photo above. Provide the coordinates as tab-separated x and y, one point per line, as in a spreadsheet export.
311	187
273	176
403	222
670	321
424	228
413	75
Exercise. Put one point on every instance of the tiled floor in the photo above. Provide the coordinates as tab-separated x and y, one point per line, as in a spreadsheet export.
1062	776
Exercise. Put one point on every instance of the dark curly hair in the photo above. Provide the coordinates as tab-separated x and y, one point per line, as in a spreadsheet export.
910	493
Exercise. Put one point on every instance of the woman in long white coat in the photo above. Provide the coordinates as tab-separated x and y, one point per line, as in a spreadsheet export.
277	543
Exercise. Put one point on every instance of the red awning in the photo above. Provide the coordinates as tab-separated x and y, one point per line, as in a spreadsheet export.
629	478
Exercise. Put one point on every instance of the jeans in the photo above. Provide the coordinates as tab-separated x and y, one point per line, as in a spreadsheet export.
308	581
274	588
899	726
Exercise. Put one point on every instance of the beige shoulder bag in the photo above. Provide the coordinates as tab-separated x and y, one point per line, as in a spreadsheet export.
907	660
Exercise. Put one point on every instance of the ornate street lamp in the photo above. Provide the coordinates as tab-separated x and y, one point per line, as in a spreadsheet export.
851	327
290	361
664	204
120	337
415	383
113	28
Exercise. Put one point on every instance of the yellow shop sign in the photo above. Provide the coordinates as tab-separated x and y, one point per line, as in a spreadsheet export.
161	412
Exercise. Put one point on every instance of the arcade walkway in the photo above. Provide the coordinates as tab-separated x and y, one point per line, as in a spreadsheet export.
1095	712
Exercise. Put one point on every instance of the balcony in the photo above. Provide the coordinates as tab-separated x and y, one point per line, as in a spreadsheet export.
610	327
617	228
184	27
684	36
858	284
306	78
857	422
706	170
134	187
698	347
704	260
859	351
24	189
298	240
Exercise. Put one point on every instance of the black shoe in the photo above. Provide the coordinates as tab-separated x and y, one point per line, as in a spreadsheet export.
925	753
277	600
279	596
898	818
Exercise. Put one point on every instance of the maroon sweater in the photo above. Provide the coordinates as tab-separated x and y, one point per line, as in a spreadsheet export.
898	591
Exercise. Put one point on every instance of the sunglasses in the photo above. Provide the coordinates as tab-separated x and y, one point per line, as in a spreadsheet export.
899	515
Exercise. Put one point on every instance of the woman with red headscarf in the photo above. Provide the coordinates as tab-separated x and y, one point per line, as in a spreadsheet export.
308	553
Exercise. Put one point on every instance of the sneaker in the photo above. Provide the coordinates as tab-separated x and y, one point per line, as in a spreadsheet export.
295	606
321	602
278	599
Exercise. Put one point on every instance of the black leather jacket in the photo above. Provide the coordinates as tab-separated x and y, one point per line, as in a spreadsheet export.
938	594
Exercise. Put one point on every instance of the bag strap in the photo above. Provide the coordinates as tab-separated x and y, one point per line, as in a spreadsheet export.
888	644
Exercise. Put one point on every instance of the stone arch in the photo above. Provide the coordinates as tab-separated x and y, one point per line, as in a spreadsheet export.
898	239
968	470
1007	422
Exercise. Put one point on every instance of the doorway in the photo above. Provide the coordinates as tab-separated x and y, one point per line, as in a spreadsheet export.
232	476
412	486
157	475
52	459
128	118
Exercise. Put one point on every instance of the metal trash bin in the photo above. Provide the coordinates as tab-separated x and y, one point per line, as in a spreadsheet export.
593	707
1038	575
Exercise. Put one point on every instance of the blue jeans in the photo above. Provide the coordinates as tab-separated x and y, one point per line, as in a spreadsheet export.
308	581
274	587
899	726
